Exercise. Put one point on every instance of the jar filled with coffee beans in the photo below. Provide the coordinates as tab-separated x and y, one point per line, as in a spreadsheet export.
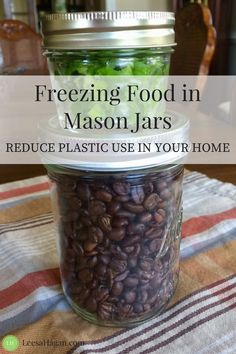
119	238
118	220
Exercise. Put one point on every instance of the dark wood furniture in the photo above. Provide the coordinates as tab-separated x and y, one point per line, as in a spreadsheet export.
21	49
222	13
222	19
196	40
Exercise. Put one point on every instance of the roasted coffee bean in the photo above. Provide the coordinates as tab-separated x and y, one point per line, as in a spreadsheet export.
122	276
104	222
105	259
165	194
69	255
76	289
145	218
125	214
91	304
153	233
138	308
105	310
82	236
147	275
131	240
144	296
118	253
146	307
159	216
92	262
89	246
75	203
160	185
134	208
101	294
145	250
101	270
121	188
138	194
106	243
85	275
66	184
151	202
148	188
131	282
83	296
78	249
129	249
68	229
135	229
86	221
103	196
95	234
155	282
70	203
136	251
155	245
120	222
83	192
146	264
125	310
130	296
117	288
78	227
122	198
113	207
118	265
96	208
132	262
117	234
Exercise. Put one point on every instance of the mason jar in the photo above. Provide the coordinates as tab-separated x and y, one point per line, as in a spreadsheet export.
118	217
119	240
109	43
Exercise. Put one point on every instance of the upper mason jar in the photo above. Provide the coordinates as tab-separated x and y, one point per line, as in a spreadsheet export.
109	43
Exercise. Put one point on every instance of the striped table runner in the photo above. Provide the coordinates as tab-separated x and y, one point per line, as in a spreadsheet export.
200	319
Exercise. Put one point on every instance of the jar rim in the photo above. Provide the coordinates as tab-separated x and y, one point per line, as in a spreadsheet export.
51	131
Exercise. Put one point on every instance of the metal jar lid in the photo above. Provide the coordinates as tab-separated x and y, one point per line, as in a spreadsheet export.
108	30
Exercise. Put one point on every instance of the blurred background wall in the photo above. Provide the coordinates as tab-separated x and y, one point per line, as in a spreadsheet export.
161	5
1	10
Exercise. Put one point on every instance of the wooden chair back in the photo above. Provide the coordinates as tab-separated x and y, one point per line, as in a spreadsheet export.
20	50
196	41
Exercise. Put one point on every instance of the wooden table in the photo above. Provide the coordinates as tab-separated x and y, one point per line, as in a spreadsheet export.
225	173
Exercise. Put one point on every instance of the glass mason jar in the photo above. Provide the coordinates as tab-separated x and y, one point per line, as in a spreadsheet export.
118	226
119	238
109	43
